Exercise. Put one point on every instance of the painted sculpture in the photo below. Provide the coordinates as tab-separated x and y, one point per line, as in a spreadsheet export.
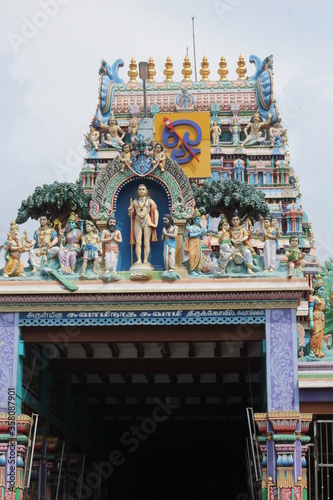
159	156
92	249
223	234
169	238
111	238
144	220
92	142
125	157
70	248
278	136
195	233
253	130
216	132
269	237
317	308
45	244
13	248
115	134
295	256
239	235
235	131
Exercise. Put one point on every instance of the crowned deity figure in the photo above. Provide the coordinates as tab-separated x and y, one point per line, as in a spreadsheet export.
115	134
252	130
317	308
92	138
70	247
45	243
111	237
239	235
13	248
144	220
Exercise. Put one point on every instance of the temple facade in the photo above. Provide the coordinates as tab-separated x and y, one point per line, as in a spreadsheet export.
173	312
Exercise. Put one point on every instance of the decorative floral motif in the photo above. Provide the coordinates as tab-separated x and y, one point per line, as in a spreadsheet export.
281	360
8	356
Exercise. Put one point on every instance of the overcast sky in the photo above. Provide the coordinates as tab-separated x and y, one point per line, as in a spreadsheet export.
50	55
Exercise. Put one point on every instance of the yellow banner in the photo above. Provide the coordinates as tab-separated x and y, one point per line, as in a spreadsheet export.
186	139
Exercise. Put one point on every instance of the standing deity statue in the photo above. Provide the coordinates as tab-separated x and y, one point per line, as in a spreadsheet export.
45	243
239	235
317	308
13	249
253	129
295	256
115	134
235	131
144	220
215	130
92	248
70	247
270	238
195	233
169	238
278	135
111	237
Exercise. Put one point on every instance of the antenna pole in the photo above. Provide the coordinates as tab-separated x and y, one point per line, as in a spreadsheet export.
195	58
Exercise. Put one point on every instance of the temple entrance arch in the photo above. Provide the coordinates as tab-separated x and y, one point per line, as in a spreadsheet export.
125	193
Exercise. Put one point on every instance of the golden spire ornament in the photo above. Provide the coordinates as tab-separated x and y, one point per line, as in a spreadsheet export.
186	71
241	70
151	69
168	72
204	72
222	71
133	70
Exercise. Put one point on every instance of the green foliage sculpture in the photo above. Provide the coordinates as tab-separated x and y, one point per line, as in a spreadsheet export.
59	199
326	274
225	197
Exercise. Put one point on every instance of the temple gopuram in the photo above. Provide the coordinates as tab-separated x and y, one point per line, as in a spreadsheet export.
166	331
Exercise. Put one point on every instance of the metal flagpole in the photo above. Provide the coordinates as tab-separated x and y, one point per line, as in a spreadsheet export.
195	57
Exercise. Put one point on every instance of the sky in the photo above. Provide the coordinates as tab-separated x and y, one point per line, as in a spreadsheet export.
50	53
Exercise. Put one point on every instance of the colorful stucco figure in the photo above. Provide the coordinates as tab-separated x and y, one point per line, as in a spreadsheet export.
70	248
111	238
317	308
13	248
45	244
169	238
144	220
92	248
195	233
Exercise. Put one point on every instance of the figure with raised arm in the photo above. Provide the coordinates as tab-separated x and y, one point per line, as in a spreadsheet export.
252	130
115	134
295	256
13	249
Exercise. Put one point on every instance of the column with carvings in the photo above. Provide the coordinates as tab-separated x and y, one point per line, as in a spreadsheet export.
283	440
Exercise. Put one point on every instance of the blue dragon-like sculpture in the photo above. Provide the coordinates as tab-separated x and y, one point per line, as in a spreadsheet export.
109	79
263	78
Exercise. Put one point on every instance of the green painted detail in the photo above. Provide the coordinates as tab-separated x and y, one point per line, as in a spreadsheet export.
264	494
305	439
315	376
262	439
284	437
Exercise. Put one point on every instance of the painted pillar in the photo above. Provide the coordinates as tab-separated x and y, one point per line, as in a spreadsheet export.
281	440
9	338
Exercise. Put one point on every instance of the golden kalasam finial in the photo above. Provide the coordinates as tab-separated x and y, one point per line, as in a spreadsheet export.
223	68
204	72
168	72
241	70
186	71
133	70
151	69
